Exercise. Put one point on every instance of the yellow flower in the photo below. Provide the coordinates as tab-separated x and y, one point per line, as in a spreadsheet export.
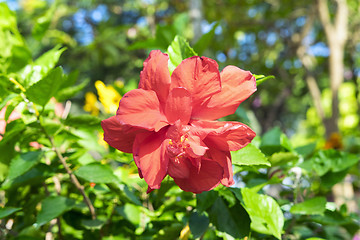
108	97
91	103
101	140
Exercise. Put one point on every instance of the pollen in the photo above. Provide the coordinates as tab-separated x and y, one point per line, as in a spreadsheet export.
170	142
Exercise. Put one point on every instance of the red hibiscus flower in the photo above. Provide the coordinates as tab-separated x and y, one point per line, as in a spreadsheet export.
168	122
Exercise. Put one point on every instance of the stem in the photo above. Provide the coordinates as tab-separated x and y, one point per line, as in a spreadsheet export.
73	178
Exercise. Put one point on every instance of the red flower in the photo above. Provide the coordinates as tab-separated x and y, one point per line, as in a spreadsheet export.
167	123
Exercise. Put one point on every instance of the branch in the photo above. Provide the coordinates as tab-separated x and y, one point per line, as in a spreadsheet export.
341	20
308	63
325	17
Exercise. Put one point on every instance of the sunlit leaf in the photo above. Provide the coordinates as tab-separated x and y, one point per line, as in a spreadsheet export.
265	213
96	173
249	155
313	206
179	50
281	158
41	92
262	78
130	212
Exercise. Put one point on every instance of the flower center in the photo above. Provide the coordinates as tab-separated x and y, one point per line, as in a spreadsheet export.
178	143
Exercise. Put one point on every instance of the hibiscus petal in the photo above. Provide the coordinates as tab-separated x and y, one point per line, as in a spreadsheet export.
195	147
141	108
237	85
178	106
200	76
225	136
149	156
118	135
207	178
179	168
224	159
155	75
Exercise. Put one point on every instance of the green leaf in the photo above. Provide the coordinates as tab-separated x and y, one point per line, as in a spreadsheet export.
23	163
205	200
198	224
34	176
306	150
67	92
48	60
249	155
96	173
41	92
274	141
234	221
262	78
6	211
179	50
52	207
43	22
332	160
130	212
281	158
205	40
92	224
20	57
33	73
314	206
83	121
7	17
265	213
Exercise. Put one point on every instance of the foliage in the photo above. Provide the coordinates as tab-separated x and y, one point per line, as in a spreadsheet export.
59	179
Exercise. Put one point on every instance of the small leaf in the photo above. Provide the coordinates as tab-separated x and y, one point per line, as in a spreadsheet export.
42	23
262	78
96	173
281	158
49	59
130	212
92	224
6	211
179	50
84	121
249	155
41	92
23	163
68	92
52	207
32	73
265	213
314	206
198	224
